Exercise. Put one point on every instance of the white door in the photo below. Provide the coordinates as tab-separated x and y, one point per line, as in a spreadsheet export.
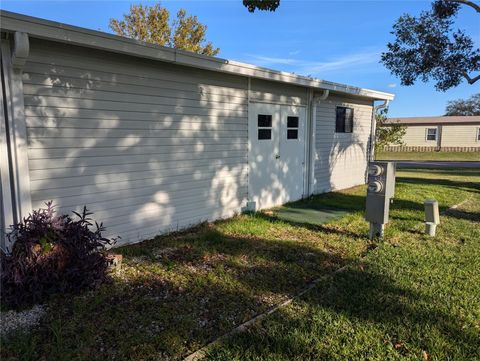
292	151
276	154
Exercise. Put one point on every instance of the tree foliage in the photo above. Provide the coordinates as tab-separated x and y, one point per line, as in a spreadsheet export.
268	5
152	25
470	106
386	135
428	47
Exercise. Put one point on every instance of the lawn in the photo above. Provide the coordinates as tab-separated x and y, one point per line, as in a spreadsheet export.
408	297
430	156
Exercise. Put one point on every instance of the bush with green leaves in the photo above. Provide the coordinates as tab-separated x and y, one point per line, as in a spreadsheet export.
52	254
385	135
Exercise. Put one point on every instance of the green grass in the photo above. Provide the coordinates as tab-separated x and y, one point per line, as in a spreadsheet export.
430	156
411	298
396	299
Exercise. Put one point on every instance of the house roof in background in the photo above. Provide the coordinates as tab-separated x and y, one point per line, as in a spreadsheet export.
435	120
59	32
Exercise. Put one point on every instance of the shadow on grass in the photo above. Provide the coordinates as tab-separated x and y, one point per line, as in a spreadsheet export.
171	303
443	171
360	301
183	290
461	214
470	186
314	227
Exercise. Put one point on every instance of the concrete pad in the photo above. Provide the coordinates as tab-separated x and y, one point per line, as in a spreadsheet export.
310	214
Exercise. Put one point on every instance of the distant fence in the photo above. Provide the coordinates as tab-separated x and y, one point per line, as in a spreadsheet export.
430	149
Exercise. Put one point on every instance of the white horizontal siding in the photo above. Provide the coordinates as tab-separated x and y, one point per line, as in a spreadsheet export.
147	146
341	158
167	224
99	195
141	167
270	92
100	64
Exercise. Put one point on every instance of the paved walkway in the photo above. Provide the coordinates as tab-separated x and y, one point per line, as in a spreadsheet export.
428	164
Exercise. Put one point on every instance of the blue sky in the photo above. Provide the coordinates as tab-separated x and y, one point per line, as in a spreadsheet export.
339	41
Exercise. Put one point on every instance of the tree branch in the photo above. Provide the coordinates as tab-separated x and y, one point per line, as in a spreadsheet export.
469	79
468	3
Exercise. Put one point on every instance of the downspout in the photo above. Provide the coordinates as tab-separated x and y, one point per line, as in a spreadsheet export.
373	128
313	100
15	174
13	63
21	49
440	136
249	145
324	95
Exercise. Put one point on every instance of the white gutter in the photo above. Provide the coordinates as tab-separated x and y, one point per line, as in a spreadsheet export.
54	31
324	95
373	128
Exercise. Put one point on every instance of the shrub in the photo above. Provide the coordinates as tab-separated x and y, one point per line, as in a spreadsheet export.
52	254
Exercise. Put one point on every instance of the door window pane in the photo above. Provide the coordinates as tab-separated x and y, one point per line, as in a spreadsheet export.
292	127
292	134
264	134
264	120
292	122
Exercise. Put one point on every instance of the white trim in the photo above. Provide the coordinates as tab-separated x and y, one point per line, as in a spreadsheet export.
292	104
7	210
54	31
313	146
17	134
309	166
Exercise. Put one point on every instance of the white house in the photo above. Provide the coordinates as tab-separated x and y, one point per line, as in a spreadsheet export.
153	139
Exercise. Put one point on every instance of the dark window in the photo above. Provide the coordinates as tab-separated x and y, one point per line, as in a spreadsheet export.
264	120
264	134
292	122
432	134
292	133
292	127
344	120
478	134
264	126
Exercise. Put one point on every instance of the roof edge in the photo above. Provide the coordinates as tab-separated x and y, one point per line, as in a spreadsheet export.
445	119
59	32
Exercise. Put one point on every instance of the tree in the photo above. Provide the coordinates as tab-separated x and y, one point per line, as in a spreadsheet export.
270	5
152	25
428	48
470	106
385	135
189	35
